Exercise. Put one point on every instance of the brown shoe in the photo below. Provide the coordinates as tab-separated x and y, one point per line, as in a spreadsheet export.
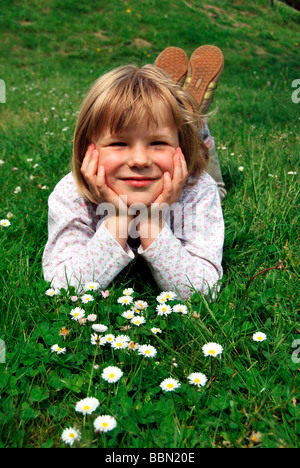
174	62
204	71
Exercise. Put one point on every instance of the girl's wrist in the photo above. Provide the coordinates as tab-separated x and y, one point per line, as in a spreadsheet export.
149	228
118	227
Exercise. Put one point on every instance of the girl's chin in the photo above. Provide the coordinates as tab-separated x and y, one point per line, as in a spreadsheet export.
140	200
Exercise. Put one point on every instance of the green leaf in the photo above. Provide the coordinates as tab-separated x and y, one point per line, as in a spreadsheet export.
39	394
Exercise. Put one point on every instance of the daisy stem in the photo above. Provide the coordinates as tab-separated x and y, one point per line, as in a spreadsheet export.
104	440
108	398
108	311
211	370
135	373
175	414
92	371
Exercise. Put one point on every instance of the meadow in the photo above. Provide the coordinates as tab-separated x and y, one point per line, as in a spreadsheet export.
52	357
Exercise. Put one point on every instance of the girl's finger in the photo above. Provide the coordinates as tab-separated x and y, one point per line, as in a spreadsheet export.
100	179
178	173
87	158
168	185
184	166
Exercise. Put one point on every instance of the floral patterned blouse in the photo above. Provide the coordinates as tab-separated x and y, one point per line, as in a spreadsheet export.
186	254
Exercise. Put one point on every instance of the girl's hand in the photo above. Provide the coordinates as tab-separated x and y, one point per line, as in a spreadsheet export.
173	187
118	220
94	174
151	225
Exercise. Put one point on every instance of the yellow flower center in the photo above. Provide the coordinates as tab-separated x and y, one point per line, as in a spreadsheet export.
71	435
58	349
111	376
170	385
259	338
197	380
212	351
76	314
104	424
119	344
147	351
86	408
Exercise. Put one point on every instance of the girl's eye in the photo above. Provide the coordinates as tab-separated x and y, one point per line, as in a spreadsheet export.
159	143
117	143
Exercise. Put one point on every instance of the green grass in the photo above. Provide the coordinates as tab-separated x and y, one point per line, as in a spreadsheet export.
51	52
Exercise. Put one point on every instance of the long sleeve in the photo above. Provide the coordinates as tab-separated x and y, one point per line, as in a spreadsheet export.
79	249
189	254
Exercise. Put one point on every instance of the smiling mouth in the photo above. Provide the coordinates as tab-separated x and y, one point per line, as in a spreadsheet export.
138	181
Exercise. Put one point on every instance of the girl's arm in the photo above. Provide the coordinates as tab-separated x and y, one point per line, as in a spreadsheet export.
79	248
189	255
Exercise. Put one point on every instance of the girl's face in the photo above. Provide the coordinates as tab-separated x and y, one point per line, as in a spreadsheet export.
136	159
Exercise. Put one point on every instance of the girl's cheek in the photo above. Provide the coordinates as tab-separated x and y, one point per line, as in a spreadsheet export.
164	160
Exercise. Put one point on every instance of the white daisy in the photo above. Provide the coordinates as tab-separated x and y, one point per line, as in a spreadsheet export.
57	349
125	300
97	339
104	423
212	349
128	314
99	328
140	305
91	286
133	346
111	374
128	292
121	342
156	330
70	435
170	384
138	320
169	295
161	299
92	317
163	309
86	298
105	293
77	313
197	378
87	405
109	338
147	350
4	222
259	336
180	308
52	292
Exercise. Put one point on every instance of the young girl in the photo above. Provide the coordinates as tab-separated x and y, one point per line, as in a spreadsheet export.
137	188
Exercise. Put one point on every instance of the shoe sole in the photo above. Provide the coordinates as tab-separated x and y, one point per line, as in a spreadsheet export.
205	69
174	62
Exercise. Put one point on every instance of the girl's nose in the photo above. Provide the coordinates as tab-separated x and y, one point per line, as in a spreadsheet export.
139	157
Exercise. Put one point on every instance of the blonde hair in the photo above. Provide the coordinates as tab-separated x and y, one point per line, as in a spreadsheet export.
120	99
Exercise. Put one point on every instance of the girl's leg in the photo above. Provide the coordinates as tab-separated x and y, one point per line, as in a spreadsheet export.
201	76
213	168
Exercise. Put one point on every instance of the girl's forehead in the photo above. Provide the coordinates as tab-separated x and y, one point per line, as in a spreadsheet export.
161	121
